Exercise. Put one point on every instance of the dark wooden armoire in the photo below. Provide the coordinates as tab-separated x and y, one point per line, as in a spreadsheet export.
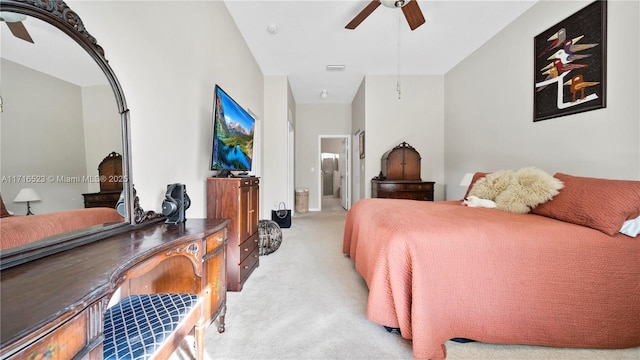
400	176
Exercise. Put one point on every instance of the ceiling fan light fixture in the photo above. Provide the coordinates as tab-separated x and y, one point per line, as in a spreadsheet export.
394	3
7	16
12	17
410	9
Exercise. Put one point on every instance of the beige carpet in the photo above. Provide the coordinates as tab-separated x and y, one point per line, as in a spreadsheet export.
306	301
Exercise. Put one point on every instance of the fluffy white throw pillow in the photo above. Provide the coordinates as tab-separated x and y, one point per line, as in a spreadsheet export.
517	191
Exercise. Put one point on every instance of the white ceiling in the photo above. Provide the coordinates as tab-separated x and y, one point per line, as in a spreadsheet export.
311	35
52	52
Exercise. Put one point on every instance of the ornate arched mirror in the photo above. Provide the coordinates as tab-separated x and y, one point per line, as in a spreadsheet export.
63	110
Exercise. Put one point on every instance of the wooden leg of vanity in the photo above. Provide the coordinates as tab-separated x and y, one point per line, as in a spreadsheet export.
199	339
221	318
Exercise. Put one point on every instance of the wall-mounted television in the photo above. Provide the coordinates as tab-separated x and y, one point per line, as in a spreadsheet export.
233	128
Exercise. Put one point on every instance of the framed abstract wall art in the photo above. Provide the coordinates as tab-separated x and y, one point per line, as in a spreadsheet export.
570	64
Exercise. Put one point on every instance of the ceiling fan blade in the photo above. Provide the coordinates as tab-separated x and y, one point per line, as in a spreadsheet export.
363	14
413	14
19	31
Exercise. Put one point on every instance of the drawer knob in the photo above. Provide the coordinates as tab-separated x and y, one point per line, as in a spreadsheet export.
246	267
246	249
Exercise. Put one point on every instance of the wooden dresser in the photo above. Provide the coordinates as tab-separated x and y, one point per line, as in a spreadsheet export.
111	181
237	199
101	199
400	176
54	307
402	189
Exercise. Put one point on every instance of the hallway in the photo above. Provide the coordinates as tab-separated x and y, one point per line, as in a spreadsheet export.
331	203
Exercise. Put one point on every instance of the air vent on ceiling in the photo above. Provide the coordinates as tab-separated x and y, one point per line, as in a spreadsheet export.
335	67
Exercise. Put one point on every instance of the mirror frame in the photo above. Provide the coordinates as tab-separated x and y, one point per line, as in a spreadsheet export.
58	14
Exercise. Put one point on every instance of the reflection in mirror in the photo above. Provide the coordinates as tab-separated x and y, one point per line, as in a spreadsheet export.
59	119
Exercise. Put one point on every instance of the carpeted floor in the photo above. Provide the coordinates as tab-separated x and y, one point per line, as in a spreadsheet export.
306	301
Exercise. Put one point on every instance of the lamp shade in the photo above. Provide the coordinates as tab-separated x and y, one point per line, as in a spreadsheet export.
27	194
466	180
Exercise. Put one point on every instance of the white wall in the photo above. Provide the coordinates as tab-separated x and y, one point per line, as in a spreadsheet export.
168	69
313	121
168	79
276	131
488	105
358	122
102	128
416	118
42	140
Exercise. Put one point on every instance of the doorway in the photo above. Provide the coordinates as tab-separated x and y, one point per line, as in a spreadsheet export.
290	160
335	176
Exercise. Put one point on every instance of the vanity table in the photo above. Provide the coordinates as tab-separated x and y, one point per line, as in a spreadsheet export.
56	304
55	290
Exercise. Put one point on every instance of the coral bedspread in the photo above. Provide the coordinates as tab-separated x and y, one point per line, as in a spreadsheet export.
439	270
22	230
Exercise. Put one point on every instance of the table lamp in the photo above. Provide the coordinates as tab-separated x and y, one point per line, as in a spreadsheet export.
27	195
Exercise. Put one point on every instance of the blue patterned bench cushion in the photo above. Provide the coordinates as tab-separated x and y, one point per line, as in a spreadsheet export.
135	327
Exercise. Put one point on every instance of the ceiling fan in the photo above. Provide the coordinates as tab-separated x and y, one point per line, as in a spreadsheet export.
14	22
410	8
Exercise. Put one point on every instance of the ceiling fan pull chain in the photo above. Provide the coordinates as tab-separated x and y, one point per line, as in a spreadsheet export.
398	87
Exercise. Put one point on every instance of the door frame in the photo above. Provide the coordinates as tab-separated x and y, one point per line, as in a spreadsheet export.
291	146
355	167
347	162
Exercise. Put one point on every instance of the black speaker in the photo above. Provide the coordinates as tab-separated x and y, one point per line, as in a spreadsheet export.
176	203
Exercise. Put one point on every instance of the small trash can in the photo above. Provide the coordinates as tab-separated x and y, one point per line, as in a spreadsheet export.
302	200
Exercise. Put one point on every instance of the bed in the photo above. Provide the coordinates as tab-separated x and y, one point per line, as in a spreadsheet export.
439	270
20	230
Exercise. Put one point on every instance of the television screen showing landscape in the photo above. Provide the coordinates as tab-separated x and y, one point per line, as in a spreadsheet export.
233	135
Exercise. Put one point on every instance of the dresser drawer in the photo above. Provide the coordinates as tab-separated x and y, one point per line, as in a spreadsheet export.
249	182
390	187
249	247
405	186
214	241
101	199
63	343
411	190
249	264
409	195
418	187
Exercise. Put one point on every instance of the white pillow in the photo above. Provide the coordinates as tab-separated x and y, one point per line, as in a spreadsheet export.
631	227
